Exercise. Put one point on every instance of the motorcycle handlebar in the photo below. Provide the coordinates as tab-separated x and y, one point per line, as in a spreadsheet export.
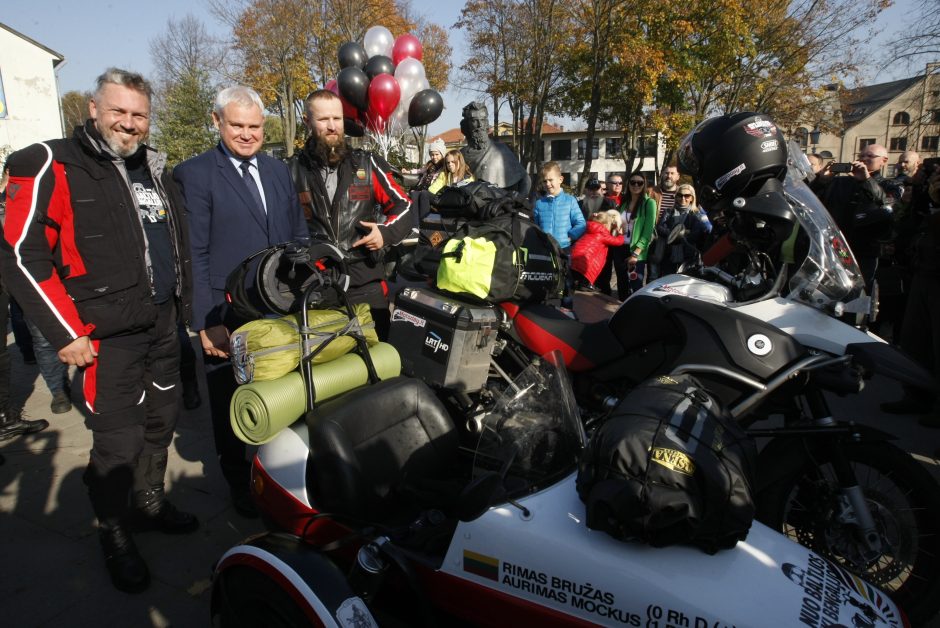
722	277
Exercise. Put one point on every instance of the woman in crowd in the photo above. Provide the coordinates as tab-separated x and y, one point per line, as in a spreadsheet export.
687	213
456	172
433	168
639	219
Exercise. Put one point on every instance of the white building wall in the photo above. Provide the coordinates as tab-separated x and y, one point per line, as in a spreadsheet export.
31	95
604	164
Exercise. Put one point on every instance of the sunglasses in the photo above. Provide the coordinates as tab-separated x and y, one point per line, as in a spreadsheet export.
686	196
615	183
638	183
870	156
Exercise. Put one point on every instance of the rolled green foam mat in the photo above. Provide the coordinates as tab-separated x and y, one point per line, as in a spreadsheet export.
259	410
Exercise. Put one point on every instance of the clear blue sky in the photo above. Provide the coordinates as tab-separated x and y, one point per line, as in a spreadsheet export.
92	36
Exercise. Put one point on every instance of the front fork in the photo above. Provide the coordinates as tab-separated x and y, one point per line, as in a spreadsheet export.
853	508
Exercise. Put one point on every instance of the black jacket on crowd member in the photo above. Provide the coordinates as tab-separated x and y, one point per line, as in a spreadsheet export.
858	208
76	258
365	191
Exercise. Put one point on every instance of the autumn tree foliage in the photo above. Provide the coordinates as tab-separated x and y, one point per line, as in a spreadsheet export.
641	66
286	48
515	53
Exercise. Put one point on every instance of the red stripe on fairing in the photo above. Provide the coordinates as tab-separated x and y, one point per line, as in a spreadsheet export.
540	342
485	606
288	512
282	581
90	379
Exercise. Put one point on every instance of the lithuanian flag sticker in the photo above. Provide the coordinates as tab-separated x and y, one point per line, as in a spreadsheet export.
481	565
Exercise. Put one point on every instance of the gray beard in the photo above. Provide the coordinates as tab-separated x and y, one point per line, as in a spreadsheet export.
669	186
478	140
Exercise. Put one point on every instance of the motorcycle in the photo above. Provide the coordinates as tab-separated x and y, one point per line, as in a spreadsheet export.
391	514
766	343
473	545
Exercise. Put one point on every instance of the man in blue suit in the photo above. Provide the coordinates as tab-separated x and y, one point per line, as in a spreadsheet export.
239	201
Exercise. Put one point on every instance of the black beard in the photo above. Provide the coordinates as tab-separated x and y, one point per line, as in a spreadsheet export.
321	152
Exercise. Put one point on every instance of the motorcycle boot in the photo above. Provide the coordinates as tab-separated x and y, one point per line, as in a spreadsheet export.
127	568
152	510
12	424
108	496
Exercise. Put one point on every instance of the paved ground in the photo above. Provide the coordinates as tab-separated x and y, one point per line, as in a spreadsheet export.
51	570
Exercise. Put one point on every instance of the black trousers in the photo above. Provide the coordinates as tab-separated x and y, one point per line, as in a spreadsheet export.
4	355
221	384
132	395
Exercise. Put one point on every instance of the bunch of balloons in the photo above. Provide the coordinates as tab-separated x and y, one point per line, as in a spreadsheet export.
382	83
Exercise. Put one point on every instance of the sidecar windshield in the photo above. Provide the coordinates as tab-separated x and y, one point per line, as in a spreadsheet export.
829	273
533	435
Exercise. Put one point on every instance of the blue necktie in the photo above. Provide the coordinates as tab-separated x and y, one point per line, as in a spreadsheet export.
252	186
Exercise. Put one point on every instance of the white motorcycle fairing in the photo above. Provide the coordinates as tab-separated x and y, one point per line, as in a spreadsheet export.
550	565
551	559
809	326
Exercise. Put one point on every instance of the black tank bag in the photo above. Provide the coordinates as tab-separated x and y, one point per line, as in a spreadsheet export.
670	467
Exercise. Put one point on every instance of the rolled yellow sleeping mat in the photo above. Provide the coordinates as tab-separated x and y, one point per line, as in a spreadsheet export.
261	409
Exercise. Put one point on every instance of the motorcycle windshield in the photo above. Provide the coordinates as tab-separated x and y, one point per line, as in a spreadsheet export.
533	435
828	274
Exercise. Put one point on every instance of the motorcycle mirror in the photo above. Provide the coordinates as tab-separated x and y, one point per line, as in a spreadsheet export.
476	497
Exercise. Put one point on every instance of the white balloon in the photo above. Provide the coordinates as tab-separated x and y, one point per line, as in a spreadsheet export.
410	68
398	121
378	41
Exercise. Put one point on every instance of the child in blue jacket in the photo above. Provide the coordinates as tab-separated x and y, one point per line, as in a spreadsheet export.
559	214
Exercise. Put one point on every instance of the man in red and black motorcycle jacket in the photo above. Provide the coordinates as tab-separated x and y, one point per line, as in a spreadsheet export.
341	189
95	250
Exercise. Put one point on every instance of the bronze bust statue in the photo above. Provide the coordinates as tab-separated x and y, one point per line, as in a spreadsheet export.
490	160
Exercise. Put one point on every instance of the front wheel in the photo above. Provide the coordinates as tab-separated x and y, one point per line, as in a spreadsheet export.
807	506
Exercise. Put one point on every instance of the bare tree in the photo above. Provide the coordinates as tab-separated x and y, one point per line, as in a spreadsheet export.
921	35
186	61
74	109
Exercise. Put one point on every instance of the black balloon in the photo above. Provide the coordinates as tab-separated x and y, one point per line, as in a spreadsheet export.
379	64
352	128
425	108
352	55
354	86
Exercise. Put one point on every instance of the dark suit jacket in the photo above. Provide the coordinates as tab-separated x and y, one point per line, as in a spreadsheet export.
225	225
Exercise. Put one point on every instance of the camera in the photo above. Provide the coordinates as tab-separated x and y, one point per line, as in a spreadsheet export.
839	168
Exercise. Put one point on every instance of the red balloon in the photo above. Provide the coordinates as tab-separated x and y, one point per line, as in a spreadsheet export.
384	94
332	86
406	45
375	121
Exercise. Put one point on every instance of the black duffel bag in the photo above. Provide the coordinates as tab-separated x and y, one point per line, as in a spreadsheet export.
670	467
479	200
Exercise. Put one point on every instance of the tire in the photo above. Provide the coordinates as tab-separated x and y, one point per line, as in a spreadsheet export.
247	597
905	503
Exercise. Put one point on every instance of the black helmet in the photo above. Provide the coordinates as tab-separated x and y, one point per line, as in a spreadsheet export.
282	274
734	155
